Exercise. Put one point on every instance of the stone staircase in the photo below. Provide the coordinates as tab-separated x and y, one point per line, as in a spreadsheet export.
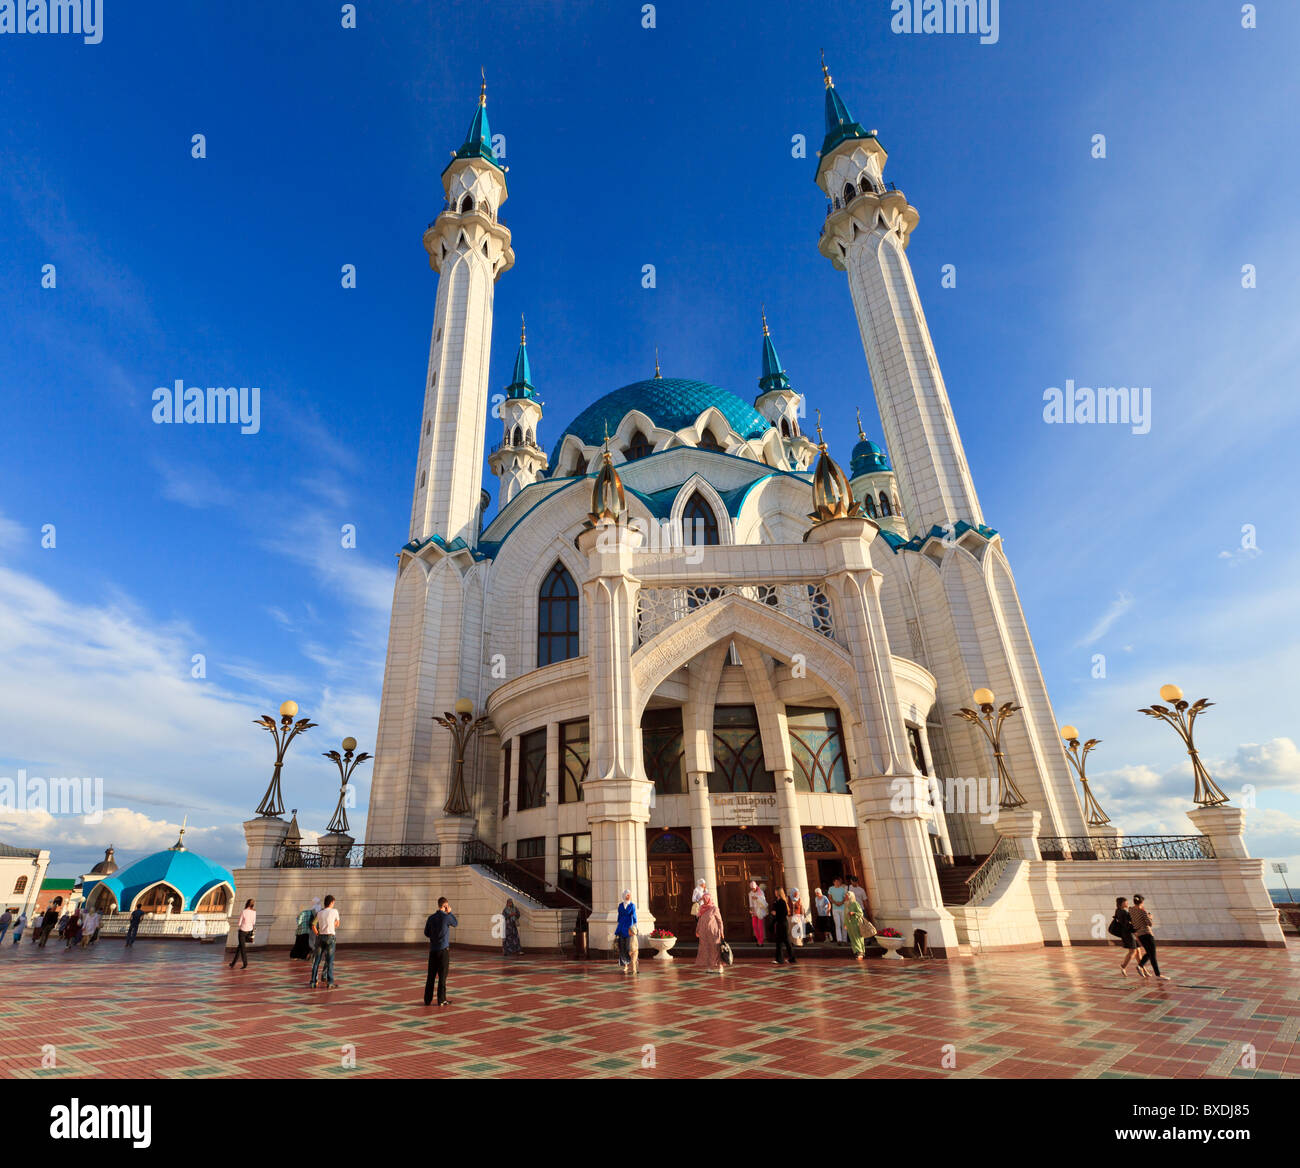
952	881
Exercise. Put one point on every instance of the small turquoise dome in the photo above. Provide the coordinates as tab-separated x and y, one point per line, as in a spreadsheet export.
670	402
867	459
191	875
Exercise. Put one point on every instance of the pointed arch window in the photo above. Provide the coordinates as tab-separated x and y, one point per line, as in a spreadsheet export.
738	762
516	437
579	466
817	749
885	508
849	193
467	203
785	427
557	617
638	447
870	504
699	522
709	441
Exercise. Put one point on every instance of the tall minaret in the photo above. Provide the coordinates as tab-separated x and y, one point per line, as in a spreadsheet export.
779	403
866	233
519	460
469	248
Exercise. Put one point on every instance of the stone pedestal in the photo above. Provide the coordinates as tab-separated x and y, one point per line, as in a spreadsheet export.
453	832
1108	838
1020	826
264	836
334	849
1225	826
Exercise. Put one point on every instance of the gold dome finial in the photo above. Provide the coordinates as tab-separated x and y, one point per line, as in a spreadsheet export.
820	441
482	93
832	495
657	373
763	309
608	501
826	72
861	433
523	330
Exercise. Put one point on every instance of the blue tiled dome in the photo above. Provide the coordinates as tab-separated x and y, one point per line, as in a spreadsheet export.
190	874
669	402
868	458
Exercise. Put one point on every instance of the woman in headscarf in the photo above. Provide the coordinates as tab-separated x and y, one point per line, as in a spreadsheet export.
709	931
302	932
859	929
625	930
796	918
697	897
510	946
757	910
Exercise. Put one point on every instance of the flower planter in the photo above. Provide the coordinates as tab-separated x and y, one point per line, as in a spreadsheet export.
661	945
891	946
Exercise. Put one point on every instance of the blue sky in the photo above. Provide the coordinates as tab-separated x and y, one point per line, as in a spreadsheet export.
627	146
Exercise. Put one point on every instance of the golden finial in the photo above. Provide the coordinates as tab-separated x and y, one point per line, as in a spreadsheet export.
826	72
523	330
657	373
607	458
482	93
860	432
763	308
820	441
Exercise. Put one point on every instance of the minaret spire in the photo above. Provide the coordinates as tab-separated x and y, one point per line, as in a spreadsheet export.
773	376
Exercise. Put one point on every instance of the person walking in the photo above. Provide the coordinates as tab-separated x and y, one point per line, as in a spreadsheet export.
859	893
709	932
838	895
697	897
510	945
325	929
72	930
823	925
757	910
301	950
625	930
137	915
19	925
1121	926
438	929
859	929
1143	923
244	933
6	919
781	928
89	928
51	919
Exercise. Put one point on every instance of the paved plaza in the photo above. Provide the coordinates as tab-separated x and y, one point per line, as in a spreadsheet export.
173	1009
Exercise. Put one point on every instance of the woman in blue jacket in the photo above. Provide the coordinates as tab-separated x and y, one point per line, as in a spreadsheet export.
625	930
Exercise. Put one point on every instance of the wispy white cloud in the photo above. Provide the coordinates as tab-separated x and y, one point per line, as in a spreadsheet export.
1118	607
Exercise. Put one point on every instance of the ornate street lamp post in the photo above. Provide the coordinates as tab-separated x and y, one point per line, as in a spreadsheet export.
1009	795
463	726
272	803
1078	757
1182	718
346	764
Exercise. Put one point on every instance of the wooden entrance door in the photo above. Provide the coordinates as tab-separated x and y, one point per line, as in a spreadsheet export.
670	894
737	868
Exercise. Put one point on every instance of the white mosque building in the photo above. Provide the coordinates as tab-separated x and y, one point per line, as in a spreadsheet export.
700	650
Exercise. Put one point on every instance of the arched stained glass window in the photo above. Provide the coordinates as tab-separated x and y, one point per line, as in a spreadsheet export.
738	763
817	749
532	770
814	841
742	841
638	447
869	503
884	505
575	756
663	751
669	844
557	617
699	522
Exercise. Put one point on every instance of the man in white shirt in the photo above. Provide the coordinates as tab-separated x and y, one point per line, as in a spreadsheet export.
325	928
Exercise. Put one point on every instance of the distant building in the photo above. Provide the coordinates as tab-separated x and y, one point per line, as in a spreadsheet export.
175	881
21	873
51	888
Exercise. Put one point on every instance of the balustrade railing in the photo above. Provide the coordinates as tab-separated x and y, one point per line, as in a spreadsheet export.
516	876
358	856
658	608
982	881
1127	847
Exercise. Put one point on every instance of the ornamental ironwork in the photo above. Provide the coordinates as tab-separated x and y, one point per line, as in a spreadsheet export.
659	608
358	856
1128	847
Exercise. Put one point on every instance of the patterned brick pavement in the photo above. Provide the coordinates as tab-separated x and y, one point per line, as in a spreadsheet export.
173	1009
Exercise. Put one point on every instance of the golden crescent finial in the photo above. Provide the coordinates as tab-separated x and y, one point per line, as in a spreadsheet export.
820	440
860	433
482	93
763	308
826	72
657	373
523	330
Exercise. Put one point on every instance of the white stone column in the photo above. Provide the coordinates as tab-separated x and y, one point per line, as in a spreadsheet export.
617	790
792	855
697	787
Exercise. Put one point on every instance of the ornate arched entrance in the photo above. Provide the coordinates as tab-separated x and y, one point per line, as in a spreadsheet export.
742	855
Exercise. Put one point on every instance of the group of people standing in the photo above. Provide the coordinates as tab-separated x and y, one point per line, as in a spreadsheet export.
78	928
